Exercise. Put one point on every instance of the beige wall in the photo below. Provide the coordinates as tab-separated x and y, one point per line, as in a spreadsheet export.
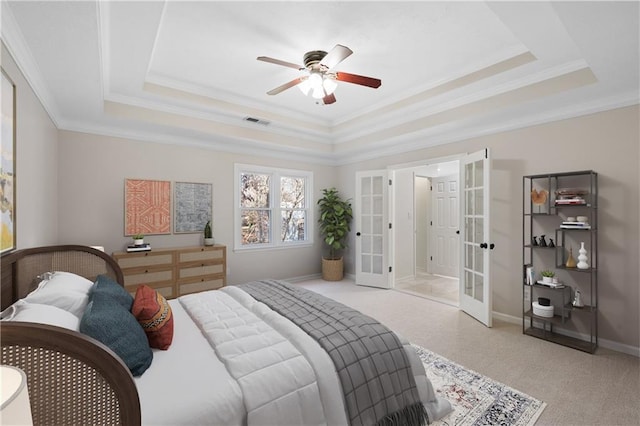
92	171
70	190
36	165
605	142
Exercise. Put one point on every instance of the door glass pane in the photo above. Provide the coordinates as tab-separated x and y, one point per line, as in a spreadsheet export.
468	202
377	264
377	245
468	256
366	244
377	185
366	263
478	236
479	258
478	201
366	185
376	225
468	283
478	174
366	224
468	175
366	204
479	288
377	204
468	229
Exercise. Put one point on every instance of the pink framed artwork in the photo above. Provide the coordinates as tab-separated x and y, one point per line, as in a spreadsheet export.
147	205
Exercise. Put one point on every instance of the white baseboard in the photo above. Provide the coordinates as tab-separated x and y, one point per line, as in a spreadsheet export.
304	278
605	343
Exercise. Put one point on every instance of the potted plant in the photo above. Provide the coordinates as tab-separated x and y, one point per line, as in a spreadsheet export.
138	239
335	224
208	234
547	276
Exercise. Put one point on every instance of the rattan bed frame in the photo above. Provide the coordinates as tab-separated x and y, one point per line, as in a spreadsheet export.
72	379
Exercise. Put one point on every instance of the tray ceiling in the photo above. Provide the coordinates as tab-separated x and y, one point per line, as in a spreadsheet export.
186	72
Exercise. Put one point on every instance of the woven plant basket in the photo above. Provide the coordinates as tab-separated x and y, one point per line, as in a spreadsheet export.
332	270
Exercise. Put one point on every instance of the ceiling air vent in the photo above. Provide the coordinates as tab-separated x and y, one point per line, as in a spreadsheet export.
256	120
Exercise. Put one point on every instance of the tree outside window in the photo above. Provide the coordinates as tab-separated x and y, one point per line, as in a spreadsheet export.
273	207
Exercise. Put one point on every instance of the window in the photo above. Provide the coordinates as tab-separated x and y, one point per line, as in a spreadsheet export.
272	207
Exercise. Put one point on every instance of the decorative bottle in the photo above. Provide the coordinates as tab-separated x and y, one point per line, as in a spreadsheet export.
571	262
582	257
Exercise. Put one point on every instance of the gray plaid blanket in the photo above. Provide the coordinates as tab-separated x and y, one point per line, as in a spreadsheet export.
378	385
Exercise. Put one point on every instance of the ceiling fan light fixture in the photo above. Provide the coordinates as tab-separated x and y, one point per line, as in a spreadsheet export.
329	84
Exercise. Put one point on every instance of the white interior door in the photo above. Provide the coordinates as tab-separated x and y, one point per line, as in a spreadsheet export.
372	229
445	247
475	283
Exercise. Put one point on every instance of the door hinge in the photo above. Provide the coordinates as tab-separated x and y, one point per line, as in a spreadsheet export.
389	182
431	258
389	226
390	268
431	222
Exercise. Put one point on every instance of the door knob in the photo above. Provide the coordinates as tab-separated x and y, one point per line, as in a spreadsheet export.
357	234
483	245
491	246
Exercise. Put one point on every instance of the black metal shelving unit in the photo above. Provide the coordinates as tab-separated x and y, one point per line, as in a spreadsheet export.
576	327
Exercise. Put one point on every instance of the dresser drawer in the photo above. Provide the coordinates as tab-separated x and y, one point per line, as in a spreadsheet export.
139	260
201	254
196	271
144	276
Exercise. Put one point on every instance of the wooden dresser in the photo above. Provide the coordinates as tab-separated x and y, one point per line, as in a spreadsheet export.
177	271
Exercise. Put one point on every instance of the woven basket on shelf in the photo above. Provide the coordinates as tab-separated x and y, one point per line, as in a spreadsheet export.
332	269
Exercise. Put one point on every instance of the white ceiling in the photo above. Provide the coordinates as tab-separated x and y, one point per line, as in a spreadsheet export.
186	72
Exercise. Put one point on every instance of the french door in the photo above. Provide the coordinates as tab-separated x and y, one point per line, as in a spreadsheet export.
475	282
372	228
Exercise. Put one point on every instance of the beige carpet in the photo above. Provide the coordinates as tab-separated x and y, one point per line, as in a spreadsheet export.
579	388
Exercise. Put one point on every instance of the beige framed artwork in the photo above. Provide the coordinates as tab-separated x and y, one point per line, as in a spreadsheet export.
147	205
8	164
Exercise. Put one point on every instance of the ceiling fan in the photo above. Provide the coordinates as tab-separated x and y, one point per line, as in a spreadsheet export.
318	77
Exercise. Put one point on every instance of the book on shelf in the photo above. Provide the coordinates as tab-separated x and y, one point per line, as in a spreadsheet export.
575	225
571	201
139	247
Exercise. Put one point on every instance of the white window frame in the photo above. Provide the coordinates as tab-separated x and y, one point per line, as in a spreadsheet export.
275	209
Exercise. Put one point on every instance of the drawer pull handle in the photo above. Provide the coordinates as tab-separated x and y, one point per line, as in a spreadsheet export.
146	270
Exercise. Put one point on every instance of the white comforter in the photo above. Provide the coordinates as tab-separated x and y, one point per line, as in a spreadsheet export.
234	361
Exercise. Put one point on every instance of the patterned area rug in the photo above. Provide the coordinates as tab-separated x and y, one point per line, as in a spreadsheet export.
477	399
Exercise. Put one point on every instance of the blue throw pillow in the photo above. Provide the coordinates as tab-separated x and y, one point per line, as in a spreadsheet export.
110	323
106	285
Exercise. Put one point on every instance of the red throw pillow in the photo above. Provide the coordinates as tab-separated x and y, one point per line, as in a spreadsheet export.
153	313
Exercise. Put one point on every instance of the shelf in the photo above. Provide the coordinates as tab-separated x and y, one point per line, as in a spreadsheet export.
589	270
583	185
556	319
561	339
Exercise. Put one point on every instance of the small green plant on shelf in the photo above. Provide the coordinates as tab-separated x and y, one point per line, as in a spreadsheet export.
548	274
138	236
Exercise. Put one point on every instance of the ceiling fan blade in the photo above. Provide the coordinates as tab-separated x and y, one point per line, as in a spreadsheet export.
279	62
329	99
358	79
286	86
336	55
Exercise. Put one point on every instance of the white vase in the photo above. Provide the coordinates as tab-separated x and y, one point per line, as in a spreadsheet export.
582	257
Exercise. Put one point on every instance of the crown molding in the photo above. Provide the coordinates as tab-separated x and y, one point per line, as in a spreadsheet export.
18	48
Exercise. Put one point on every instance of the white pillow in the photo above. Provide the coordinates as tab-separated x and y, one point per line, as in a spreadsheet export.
63	290
43	314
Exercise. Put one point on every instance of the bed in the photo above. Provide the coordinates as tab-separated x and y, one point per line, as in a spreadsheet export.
262	353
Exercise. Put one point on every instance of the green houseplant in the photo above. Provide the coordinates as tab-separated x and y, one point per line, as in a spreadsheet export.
138	239
335	224
208	234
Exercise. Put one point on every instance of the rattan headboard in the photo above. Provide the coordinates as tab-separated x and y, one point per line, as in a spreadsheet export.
21	268
72	378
